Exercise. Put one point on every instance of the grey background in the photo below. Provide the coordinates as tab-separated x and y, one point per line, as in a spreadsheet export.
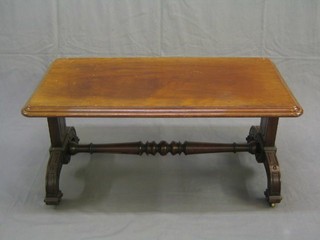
218	196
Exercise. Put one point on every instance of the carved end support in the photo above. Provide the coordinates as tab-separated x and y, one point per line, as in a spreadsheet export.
273	191
58	157
267	156
53	193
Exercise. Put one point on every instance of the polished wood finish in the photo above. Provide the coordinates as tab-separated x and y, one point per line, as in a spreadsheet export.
61	136
268	128
57	130
163	148
260	141
162	87
264	136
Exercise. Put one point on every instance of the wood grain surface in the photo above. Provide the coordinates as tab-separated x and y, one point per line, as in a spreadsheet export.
162	87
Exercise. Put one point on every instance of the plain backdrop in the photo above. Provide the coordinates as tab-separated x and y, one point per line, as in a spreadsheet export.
210	196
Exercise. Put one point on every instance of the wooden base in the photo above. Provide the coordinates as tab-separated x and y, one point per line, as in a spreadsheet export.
260	141
264	136
61	137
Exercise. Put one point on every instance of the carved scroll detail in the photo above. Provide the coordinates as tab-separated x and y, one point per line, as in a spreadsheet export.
267	156
256	144
58	157
53	193
273	191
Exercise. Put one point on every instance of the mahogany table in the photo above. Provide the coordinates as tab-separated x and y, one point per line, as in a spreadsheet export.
162	87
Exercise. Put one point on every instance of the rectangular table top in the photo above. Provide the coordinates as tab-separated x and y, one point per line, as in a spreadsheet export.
162	87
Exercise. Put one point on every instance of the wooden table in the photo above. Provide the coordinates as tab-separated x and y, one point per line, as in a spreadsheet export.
162	87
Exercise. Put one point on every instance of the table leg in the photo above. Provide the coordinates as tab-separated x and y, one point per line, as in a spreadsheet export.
265	136
64	143
60	136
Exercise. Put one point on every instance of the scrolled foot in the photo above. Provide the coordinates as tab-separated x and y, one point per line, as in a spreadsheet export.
273	192
53	193
58	156
267	155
